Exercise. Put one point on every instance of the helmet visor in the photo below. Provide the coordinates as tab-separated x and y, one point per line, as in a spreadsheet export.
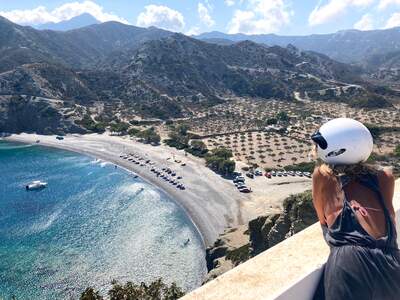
319	140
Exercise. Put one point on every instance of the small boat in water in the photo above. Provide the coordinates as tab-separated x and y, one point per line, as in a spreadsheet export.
36	185
186	242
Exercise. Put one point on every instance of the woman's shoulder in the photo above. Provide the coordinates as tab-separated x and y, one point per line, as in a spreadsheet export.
323	174
385	176
324	180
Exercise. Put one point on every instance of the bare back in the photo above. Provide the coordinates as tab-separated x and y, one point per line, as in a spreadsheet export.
328	197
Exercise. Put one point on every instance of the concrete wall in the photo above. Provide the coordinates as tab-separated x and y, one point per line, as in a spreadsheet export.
289	270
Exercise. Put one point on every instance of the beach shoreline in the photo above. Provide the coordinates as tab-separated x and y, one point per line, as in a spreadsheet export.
210	201
218	208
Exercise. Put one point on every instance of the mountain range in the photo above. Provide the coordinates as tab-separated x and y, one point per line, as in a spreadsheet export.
348	46
114	69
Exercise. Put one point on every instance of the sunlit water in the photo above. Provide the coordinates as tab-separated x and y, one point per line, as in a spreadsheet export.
93	223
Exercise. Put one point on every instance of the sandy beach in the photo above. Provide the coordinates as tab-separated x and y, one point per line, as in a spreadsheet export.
212	202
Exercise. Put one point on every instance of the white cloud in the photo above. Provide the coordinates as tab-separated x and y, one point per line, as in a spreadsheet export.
261	16
365	23
229	2
41	14
162	17
34	16
394	21
385	3
204	15
193	31
333	9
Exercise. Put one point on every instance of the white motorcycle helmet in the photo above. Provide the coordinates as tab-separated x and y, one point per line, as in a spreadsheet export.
343	141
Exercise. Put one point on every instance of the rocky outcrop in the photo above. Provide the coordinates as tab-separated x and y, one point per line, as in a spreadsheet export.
34	114
219	249
261	233
267	231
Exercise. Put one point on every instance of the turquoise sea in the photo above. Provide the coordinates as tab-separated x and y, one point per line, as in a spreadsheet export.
93	223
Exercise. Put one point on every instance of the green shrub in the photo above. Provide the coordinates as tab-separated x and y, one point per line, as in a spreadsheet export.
302	167
88	123
397	151
271	121
150	136
157	290
133	131
120	127
219	160
197	148
179	137
239	255
282	116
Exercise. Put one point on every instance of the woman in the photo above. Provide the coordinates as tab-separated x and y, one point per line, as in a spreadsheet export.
353	202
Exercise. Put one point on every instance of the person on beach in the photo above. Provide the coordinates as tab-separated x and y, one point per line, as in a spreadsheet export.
353	201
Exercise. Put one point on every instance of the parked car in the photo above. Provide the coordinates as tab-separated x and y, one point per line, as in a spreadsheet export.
238	178
258	173
59	137
307	174
273	173
268	175
245	190
250	175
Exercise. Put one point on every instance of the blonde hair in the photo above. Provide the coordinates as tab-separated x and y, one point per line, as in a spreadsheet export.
353	171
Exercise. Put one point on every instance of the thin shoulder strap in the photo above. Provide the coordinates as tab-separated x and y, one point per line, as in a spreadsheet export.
343	180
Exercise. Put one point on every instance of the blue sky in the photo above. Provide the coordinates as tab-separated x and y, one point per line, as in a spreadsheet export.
287	17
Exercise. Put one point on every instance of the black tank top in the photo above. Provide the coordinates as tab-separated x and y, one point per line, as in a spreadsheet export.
359	266
346	230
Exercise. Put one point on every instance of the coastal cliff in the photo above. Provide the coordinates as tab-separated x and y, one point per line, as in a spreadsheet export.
236	245
21	113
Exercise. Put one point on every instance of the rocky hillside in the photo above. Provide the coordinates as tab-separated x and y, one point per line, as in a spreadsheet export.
390	60
262	233
179	65
154	73
80	48
36	114
349	46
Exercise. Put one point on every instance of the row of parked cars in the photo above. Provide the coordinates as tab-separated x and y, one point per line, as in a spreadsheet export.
278	174
289	173
239	182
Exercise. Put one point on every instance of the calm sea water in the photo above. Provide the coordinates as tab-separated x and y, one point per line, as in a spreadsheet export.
93	223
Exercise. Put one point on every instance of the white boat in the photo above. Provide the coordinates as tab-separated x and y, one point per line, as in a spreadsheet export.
36	185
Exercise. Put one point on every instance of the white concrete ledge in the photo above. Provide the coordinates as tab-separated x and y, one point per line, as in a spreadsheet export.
289	270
